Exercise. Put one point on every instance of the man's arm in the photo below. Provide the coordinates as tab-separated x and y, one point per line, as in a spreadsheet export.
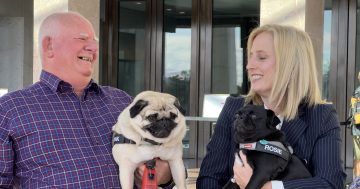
6	152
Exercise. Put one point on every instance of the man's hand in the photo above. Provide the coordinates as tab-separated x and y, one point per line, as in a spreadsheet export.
162	169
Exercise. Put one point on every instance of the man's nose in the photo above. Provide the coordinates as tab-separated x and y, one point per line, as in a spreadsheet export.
92	46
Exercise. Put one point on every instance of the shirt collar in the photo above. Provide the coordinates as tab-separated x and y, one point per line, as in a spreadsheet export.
57	85
281	118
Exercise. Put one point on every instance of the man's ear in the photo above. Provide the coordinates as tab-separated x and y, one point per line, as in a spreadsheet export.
138	106
47	47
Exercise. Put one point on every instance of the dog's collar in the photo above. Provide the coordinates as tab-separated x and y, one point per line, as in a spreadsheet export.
121	139
271	147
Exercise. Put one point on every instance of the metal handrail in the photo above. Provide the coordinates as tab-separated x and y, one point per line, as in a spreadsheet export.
191	118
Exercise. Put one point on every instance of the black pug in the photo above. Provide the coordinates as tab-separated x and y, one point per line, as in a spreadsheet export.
265	147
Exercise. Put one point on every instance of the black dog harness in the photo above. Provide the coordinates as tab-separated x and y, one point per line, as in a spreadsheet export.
121	139
271	147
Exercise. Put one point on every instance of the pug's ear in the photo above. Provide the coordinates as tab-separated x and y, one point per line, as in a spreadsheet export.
177	105
138	106
272	119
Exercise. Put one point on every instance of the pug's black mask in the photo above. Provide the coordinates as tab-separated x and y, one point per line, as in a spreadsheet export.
253	122
159	127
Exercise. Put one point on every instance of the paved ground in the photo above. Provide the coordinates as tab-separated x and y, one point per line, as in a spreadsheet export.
191	180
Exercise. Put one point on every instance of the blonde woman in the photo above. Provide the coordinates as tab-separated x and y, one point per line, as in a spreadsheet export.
282	71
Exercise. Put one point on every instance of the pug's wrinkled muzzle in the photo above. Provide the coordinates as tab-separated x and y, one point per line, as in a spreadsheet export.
161	128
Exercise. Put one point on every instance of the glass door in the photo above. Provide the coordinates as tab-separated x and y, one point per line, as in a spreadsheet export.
232	23
131	46
176	64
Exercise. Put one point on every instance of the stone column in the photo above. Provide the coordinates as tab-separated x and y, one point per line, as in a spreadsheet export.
307	15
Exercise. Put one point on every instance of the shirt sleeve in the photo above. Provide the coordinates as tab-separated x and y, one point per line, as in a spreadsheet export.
276	184
6	152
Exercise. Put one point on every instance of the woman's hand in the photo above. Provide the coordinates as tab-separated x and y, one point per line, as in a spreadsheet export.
267	185
242	170
162	170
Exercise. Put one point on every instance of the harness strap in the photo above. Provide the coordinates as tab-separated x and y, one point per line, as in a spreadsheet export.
121	139
271	147
151	141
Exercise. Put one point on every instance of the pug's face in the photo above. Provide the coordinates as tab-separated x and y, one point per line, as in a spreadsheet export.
156	113
253	123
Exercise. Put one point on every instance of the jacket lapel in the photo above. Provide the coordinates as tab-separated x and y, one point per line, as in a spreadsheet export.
293	129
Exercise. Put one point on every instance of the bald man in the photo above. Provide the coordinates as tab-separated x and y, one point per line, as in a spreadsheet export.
56	133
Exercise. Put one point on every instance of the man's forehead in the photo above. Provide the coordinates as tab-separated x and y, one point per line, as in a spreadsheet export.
84	34
87	35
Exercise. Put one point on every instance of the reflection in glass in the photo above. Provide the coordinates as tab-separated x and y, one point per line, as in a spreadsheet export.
227	62
326	49
357	53
131	36
232	22
177	49
177	56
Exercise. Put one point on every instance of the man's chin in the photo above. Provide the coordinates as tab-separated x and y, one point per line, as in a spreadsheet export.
87	73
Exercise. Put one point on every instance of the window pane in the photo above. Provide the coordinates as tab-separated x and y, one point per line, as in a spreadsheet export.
131	46
177	58
177	49
326	49
232	22
357	58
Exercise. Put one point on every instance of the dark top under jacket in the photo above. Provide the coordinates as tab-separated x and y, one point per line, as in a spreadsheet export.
314	136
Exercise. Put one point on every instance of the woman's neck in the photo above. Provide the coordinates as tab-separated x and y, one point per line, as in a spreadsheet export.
270	105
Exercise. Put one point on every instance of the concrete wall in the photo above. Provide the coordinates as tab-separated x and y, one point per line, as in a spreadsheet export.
307	15
16	23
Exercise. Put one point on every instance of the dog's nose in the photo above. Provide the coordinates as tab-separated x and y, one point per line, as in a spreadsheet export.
239	116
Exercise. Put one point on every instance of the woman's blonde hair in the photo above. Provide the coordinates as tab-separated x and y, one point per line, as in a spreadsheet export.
295	79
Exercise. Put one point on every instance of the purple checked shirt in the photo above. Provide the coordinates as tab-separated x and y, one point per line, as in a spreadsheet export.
50	138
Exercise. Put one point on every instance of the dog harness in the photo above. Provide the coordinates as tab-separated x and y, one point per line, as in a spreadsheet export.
121	139
271	147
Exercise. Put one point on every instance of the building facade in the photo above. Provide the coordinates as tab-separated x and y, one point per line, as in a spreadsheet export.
193	49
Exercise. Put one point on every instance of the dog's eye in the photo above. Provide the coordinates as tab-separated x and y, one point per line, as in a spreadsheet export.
239	116
173	116
152	117
253	116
